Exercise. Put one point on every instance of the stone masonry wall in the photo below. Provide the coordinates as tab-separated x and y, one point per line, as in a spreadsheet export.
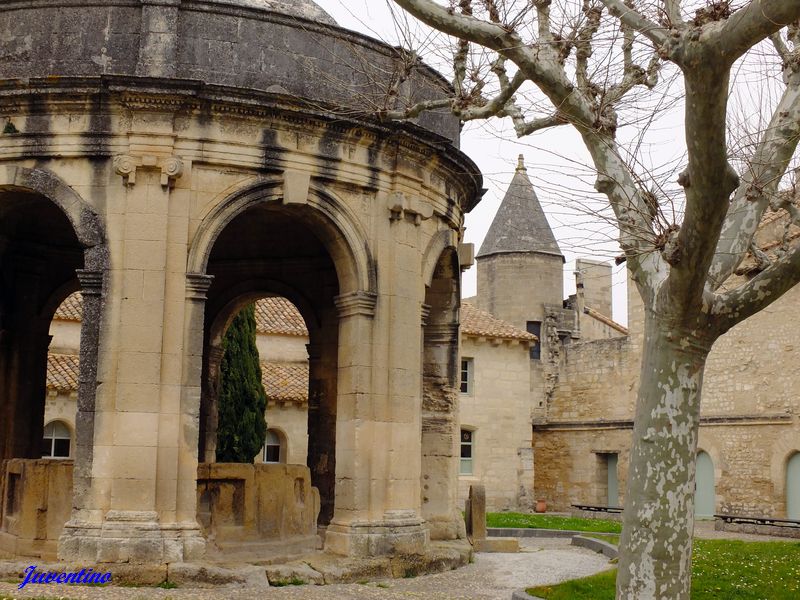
499	411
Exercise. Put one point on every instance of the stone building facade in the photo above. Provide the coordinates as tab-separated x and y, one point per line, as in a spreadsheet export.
176	160
750	416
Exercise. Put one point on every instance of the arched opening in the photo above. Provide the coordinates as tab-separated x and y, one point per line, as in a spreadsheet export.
279	258
793	487
40	258
704	500
441	381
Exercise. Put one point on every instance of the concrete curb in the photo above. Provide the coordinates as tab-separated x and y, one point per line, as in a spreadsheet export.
605	548
525	532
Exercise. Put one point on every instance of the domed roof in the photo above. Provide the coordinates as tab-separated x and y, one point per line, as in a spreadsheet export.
296	8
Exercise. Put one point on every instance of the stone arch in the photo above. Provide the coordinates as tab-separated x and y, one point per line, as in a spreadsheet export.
86	223
446	238
440	434
785	446
71	253
81	221
338	229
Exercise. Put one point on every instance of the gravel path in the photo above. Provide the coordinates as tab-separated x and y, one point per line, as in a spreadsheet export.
490	577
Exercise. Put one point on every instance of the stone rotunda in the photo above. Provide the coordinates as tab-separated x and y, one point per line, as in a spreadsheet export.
174	160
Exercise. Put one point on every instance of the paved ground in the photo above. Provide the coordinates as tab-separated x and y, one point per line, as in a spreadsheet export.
491	577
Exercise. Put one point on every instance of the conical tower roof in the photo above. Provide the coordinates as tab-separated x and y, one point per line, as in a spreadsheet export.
520	224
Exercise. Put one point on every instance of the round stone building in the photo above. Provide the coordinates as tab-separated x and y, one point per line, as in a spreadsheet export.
174	160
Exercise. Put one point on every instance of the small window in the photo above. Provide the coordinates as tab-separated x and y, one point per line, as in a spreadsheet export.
535	327
467	438
56	440
466	375
272	447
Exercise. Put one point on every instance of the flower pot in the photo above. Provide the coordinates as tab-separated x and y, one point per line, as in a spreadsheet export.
541	506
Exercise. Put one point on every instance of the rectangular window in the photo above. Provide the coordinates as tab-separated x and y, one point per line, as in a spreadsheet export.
535	327
466	375
467	438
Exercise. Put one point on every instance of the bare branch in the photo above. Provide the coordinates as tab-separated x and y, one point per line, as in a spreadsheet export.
753	23
672	8
735	306
636	21
767	166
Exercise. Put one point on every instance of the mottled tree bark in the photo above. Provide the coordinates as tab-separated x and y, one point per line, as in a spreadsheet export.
658	519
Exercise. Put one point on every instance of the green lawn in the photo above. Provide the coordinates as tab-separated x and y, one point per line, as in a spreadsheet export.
544	521
721	569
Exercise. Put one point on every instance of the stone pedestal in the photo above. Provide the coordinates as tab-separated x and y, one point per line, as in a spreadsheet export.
399	533
131	537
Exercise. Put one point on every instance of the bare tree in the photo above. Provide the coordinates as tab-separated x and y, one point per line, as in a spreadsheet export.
586	63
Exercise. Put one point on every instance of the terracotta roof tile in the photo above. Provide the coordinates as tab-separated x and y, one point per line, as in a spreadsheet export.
62	372
285	382
70	309
278	315
479	323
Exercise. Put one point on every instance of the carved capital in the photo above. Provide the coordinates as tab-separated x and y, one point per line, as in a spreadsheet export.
126	166
91	282
356	303
197	285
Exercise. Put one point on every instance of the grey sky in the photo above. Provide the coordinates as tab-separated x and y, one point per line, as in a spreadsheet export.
555	160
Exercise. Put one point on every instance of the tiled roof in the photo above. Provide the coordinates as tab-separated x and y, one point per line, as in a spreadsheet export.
71	309
273	315
479	323
285	382
278	315
62	372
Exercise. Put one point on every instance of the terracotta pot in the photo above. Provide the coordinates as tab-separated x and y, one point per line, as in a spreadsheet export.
541	506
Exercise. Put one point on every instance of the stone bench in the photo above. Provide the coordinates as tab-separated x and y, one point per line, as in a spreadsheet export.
757	525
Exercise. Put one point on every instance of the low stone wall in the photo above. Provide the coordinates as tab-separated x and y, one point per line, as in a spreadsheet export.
261	509
36	502
775	530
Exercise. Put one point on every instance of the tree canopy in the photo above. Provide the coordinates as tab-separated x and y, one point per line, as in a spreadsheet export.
242	401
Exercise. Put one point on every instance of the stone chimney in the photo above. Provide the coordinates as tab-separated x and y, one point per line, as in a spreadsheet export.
593	285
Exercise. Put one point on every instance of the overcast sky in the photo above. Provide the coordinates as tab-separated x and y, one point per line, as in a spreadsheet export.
555	162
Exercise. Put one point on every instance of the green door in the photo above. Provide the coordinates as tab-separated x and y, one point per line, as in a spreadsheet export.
613	483
793	487
704	486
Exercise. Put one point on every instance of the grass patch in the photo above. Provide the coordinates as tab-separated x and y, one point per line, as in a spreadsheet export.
721	569
167	585
544	521
285	582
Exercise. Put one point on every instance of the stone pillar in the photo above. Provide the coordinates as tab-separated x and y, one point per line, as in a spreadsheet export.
440	434
377	490
131	513
92	293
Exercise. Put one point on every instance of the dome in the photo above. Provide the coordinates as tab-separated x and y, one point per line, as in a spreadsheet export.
305	9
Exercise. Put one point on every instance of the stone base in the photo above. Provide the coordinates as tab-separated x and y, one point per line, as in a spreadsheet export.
131	537
447	528
400	533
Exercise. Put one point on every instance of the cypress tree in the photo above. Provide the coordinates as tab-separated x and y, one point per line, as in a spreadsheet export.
241	430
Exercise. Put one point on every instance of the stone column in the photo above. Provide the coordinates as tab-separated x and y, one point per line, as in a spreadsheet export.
440	433
377	482
92	293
